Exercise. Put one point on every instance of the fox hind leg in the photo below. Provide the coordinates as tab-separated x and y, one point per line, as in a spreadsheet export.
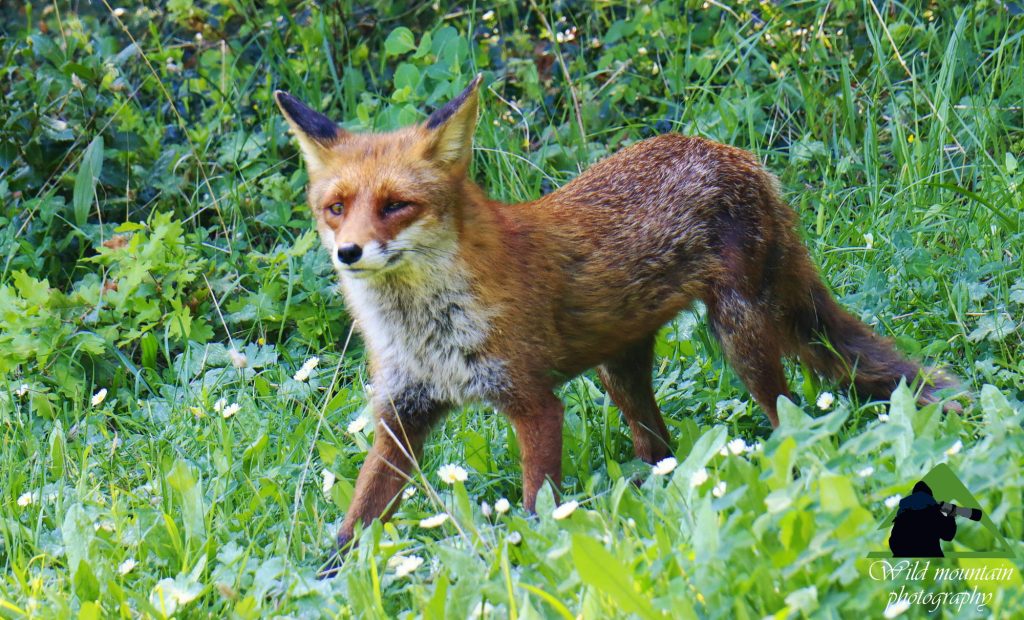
752	344
628	381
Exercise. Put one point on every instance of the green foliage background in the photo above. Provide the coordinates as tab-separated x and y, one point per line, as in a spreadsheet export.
152	222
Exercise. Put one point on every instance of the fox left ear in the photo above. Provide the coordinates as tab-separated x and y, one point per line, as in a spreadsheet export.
452	125
315	132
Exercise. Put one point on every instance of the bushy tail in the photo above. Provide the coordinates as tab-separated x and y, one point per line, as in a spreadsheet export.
839	346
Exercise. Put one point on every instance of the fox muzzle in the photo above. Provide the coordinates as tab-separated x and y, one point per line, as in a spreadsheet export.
349	253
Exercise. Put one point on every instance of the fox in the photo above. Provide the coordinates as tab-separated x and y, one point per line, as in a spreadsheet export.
461	298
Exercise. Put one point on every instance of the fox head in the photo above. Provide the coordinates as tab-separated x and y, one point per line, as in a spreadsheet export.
384	202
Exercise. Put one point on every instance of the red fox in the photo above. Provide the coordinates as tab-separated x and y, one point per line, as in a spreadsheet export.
462	298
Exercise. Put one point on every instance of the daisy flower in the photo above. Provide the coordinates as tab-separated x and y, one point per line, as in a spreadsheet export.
357	424
565	510
435	521
302	374
664	467
405	565
737	446
329	479
825	401
452	473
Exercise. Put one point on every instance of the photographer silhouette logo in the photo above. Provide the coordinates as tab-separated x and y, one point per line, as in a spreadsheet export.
932	511
925	568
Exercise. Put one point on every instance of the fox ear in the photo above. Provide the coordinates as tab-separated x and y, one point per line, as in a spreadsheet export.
452	125
315	132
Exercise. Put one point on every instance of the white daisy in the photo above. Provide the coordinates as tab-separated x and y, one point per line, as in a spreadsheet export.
27	498
98	397
867	471
329	479
238	359
502	506
485	509
435	521
719	489
220	405
483	609
514	538
737	446
230	410
452	473
892	501
825	401
126	567
358	424
897	608
405	565
698	477
955	448
664	467
565	510
302	374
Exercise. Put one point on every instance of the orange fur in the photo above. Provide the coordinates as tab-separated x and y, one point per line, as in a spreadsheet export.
503	302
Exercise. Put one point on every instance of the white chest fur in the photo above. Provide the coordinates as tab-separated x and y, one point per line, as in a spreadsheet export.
426	333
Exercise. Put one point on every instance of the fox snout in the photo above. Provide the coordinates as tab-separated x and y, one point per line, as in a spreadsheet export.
365	257
349	253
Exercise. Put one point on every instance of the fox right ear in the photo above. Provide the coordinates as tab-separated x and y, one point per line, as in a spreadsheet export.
450	127
315	132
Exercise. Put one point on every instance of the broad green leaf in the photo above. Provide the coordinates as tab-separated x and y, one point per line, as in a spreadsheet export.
791	417
57	449
87	587
601	570
997	410
705	448
78	533
400	41
902	408
85	181
836	494
782	460
90	610
477	451
189	489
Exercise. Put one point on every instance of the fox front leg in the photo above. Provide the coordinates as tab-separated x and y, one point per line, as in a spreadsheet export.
403	423
538	424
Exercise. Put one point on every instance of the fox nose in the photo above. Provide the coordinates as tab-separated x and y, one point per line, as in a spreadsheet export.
349	253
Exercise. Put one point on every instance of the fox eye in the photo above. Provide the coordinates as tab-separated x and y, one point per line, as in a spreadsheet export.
336	208
394	207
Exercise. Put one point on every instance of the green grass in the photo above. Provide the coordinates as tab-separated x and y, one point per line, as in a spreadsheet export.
152	219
